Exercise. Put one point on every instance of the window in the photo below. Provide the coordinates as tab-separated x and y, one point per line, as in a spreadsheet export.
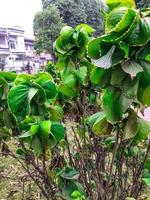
12	44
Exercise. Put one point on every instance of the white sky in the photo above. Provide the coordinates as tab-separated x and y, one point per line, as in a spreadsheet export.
19	12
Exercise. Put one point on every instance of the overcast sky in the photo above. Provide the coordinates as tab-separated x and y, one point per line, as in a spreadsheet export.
19	12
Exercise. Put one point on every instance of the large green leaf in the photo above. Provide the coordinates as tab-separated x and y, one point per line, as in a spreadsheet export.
140	35
19	99
119	19
115	103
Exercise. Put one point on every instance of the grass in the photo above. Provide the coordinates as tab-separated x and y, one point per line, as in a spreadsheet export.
13	179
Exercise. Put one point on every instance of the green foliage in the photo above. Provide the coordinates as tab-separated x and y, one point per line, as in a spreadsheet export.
77	12
101	154
47	25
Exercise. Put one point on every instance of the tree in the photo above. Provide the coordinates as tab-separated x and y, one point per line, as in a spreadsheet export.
47	25
143	3
76	12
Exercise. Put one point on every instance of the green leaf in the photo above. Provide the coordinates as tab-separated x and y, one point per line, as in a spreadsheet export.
67	87
19	99
8	76
130	86
23	79
101	126
115	103
45	128
119	19
147	164
66	34
92	119
117	76
9	119
88	28
131	67
147	181
70	174
57	130
130	127
146	96
143	131
37	146
56	112
58	46
62	62
20	153
76	194
100	76
3	88
114	3
140	35
82	74
46	82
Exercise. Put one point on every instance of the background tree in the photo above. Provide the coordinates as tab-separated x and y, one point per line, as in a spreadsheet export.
80	11
47	25
143	3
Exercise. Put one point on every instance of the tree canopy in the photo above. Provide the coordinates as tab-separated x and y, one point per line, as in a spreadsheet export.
47	25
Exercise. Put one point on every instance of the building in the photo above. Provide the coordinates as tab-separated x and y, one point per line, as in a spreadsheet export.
17	52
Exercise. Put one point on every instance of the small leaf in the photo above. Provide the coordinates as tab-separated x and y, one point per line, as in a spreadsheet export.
45	128
92	119
70	174
101	126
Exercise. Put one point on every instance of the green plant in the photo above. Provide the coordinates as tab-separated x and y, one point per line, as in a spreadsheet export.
101	150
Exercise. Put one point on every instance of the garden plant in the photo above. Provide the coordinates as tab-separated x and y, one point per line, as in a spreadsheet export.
79	127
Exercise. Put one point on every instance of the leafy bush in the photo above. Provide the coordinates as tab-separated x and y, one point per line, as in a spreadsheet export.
82	137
